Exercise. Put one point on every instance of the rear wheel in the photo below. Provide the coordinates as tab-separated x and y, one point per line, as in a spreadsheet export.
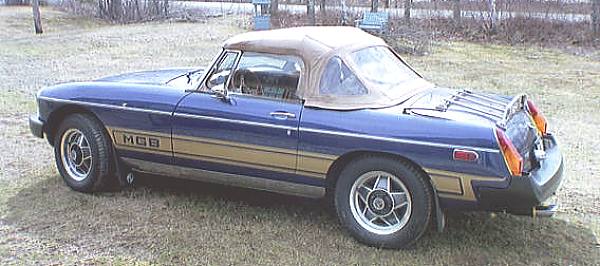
82	154
384	202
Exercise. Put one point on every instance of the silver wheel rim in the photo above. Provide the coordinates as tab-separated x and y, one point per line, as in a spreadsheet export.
380	202
76	154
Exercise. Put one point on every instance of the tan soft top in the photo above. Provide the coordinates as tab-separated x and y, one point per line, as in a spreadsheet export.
315	46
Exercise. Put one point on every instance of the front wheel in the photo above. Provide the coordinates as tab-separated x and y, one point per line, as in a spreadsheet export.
82	154
384	202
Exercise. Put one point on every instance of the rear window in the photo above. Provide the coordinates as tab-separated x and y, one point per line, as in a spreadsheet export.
338	79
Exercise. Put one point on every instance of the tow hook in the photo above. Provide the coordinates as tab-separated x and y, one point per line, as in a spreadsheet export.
544	210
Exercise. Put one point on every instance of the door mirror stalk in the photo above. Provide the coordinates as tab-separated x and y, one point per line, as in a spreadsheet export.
220	92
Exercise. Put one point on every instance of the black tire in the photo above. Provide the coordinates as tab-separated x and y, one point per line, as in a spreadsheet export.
101	172
421	197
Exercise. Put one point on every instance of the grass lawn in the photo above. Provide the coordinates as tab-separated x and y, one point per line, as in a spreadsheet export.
167	221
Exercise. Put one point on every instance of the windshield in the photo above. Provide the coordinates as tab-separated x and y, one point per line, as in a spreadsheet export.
381	67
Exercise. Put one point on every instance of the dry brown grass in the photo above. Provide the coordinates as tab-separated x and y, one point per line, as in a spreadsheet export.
165	221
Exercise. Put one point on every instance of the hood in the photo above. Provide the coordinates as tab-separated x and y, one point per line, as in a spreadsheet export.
460	105
156	77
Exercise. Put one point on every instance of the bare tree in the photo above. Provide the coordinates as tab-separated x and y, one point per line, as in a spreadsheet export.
37	20
374	5
344	13
492	15
274	7
131	10
596	17
456	11
407	7
322	6
310	12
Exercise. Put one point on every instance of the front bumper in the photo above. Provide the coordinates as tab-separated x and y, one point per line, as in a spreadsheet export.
527	192
36	126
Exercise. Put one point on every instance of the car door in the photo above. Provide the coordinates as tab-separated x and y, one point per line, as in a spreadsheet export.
253	130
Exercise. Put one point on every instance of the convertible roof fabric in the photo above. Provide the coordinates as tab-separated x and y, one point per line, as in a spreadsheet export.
315	46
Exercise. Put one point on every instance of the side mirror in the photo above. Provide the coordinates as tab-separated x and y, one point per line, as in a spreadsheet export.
220	92
216	80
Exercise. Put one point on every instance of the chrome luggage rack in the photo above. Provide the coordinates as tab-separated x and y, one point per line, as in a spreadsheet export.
496	109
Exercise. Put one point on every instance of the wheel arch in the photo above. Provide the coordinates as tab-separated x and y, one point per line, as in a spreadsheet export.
338	165
57	116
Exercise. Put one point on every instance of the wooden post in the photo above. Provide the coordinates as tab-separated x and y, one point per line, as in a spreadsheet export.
310	12
37	20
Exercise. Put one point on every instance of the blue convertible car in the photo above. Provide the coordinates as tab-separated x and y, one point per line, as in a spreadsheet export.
315	112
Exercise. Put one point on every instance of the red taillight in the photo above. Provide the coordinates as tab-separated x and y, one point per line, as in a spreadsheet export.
538	117
513	159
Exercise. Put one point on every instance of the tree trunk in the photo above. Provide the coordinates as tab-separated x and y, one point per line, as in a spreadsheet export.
274	7
407	7
136	12
310	12
596	18
374	5
492	15
322	6
456	11
37	20
166	14
344	13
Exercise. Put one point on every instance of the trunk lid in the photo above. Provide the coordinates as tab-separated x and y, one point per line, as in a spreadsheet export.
508	113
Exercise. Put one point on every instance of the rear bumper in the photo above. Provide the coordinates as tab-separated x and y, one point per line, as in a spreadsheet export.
527	192
36	126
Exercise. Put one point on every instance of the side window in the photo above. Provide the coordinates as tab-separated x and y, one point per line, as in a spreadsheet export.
220	73
337	79
267	75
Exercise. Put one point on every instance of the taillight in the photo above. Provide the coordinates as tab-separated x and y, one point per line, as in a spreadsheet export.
538	117
513	159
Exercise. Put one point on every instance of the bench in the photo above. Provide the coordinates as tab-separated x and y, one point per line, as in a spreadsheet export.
373	21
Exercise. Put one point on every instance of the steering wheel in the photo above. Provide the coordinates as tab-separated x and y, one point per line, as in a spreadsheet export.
258	90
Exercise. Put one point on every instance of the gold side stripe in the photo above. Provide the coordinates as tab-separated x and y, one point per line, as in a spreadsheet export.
448	184
235	153
227	152
457	185
234	144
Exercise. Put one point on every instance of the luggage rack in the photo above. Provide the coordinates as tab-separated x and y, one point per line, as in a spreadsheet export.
488	106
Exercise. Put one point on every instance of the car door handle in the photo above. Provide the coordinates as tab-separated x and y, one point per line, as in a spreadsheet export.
282	115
